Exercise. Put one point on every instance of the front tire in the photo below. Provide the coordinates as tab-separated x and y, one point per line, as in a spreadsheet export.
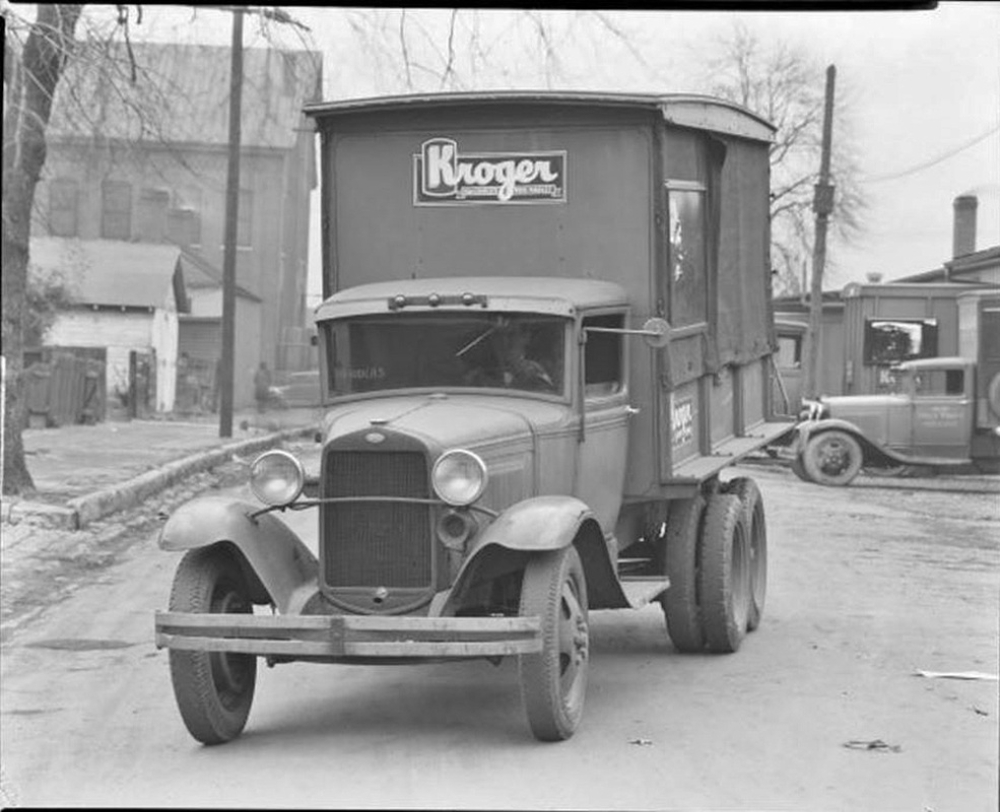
214	690
554	680
832	458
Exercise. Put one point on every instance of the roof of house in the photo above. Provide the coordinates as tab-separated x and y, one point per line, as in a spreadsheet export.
199	273
954	269
181	94
112	272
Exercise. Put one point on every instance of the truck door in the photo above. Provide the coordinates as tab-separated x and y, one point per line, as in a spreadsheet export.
684	287
600	469
942	413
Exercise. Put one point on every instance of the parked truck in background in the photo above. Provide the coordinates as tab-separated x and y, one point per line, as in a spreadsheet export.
546	333
933	411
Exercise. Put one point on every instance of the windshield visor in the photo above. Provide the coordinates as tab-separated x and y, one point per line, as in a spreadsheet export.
442	350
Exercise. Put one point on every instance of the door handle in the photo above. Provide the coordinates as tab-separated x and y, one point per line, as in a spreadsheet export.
631	410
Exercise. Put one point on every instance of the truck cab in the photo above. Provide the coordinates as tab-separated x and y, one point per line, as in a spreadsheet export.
928	418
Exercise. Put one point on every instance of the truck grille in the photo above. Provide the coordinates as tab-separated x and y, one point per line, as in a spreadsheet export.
372	544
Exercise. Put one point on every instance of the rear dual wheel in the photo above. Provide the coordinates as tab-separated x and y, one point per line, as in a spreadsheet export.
710	565
724	576
753	513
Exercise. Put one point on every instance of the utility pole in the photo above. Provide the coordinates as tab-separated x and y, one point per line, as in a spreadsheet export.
232	220
823	206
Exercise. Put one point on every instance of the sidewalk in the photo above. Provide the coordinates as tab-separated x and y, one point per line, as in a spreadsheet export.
83	473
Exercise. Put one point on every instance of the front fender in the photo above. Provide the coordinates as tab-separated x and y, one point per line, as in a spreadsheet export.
537	525
874	453
286	568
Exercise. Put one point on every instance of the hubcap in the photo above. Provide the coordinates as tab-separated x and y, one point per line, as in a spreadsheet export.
834	457
574	643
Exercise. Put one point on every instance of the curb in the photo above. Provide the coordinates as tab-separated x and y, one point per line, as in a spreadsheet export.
82	510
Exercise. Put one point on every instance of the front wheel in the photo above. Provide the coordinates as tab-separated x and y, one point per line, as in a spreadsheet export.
214	690
554	680
832	458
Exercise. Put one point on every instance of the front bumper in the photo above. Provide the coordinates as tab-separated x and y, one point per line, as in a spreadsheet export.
349	636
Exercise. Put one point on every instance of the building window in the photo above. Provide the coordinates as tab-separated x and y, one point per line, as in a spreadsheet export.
63	194
686	257
116	210
896	340
184	217
244	222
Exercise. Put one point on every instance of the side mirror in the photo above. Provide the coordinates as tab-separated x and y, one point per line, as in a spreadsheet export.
656	331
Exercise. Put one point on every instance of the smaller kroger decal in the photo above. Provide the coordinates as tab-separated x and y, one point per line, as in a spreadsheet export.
444	176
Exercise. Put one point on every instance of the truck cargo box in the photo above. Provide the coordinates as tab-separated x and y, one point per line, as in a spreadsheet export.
665	195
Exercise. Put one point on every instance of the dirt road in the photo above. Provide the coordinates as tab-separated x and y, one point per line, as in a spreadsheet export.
867	585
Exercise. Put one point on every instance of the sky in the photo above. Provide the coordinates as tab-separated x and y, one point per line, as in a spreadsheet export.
922	89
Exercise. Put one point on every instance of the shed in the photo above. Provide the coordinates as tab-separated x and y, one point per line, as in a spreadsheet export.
127	298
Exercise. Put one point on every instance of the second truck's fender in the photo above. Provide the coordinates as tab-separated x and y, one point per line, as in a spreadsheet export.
286	568
541	524
873	452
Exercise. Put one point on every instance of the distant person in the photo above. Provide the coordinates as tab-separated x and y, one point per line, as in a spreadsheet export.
262	386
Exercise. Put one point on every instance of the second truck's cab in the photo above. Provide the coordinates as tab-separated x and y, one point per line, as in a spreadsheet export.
929	418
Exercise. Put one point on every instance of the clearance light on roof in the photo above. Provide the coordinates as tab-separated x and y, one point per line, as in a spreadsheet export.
399	301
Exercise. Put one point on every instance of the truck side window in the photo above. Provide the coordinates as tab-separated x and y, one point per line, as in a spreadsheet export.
686	261
954	382
603	360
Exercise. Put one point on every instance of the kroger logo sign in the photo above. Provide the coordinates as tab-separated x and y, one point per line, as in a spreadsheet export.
444	176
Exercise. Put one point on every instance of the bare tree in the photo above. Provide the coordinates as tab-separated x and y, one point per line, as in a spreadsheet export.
784	84
74	70
461	49
30	79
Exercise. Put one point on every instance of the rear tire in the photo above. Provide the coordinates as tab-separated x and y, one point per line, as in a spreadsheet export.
724	577
214	690
753	514
680	601
554	680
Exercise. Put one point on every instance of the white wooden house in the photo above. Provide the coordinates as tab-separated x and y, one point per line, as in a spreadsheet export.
126	297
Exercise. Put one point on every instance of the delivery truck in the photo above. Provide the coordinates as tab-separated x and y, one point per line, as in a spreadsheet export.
546	333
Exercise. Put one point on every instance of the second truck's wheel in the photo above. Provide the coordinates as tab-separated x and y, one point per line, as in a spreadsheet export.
724	576
554	681
832	458
753	513
680	601
214	690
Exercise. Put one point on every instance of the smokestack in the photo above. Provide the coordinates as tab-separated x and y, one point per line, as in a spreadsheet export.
964	236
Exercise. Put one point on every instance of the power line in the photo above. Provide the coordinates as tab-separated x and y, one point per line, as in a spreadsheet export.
927	164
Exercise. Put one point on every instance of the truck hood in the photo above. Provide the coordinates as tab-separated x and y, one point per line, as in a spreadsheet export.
877	416
450	421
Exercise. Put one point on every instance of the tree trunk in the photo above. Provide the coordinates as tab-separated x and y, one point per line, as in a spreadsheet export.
31	85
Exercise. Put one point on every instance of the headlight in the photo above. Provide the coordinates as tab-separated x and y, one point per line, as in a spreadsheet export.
813	410
459	477
277	478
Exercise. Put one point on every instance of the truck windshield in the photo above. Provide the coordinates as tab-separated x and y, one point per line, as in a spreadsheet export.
406	351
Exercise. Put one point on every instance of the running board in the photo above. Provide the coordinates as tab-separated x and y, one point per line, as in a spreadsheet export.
641	591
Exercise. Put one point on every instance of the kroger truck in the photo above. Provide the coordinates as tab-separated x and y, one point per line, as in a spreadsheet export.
546	333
